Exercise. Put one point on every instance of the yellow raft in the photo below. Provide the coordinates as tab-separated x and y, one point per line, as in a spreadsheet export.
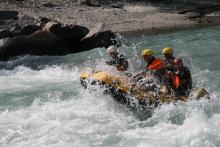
123	86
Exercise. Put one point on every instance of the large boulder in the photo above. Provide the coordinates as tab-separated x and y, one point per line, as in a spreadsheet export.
70	34
7	18
99	39
56	39
28	29
39	43
7	14
4	33
25	25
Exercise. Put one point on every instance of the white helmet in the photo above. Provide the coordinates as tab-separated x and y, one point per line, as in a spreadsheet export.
112	49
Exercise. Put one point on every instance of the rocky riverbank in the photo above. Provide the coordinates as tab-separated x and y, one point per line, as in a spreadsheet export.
121	16
24	21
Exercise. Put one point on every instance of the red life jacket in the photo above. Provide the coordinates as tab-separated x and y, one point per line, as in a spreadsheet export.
157	64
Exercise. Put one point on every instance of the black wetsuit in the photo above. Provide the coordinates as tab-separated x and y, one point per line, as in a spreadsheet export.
169	64
169	67
119	61
185	81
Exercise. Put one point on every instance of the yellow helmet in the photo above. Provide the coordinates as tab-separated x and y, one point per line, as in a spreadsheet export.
167	50
147	52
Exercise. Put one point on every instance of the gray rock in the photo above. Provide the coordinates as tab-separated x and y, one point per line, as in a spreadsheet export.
39	43
192	15
99	39
27	30
117	5
70	34
43	43
49	5
25	26
15	29
52	26
93	3
54	39
5	33
44	19
8	14
26	20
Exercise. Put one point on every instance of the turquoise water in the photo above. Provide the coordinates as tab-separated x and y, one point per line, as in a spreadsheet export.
42	102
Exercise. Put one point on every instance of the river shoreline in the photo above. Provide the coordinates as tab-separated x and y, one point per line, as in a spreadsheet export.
131	19
165	30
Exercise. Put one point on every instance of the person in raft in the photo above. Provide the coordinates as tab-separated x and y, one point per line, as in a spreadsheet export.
118	60
169	83
152	76
154	65
177	76
185	83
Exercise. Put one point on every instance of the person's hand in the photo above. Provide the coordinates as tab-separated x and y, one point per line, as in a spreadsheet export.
177	73
143	73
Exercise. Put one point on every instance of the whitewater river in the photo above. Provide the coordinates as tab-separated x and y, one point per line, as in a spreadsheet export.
42	103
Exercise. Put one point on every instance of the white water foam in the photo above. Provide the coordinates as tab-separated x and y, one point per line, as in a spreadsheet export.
92	119
48	108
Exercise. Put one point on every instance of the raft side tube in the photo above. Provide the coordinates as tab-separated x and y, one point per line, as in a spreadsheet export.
124	85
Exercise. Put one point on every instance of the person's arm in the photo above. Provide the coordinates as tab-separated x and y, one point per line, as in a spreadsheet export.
122	63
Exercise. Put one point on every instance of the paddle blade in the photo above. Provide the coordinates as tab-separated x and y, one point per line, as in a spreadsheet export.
156	64
176	81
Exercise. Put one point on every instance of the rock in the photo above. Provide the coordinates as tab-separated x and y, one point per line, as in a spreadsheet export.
93	3
27	30
52	26
8	14
39	43
54	39
25	26
49	5
211	18
116	5
100	39
26	20
99	28
70	34
192	15
3	41
5	33
44	19
46	43
2	22
200	11
15	29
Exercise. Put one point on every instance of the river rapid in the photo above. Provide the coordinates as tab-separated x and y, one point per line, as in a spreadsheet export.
43	104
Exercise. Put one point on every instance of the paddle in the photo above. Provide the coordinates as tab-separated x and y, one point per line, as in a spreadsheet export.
156	64
176	81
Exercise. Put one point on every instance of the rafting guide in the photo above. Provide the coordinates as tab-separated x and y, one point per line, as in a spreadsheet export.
118	60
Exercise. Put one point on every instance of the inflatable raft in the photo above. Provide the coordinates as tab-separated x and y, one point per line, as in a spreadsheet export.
122	88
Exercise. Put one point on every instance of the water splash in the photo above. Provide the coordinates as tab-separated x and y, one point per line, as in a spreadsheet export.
46	105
